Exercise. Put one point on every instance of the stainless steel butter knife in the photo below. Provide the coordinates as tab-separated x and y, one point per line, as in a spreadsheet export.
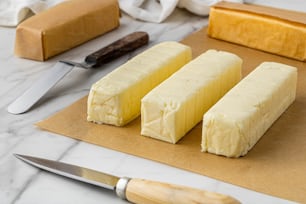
61	68
132	189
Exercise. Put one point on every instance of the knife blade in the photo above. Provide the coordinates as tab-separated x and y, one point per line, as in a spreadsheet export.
134	190
112	51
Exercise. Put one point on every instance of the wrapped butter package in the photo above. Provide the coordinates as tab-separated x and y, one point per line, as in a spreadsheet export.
65	26
277	31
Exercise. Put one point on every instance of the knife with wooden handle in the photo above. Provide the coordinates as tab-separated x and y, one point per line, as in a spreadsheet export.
132	189
61	68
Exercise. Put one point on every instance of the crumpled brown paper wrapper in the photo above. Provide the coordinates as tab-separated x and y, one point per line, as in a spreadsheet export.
276	165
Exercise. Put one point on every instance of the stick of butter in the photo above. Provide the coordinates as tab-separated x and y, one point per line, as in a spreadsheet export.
272	30
65	26
238	120
115	99
174	107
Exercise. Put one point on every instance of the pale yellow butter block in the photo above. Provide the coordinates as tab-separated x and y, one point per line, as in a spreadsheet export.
174	107
273	30
115	99
238	120
65	26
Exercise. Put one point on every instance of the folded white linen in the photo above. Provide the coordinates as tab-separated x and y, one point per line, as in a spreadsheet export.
12	12
200	7
158	10
151	10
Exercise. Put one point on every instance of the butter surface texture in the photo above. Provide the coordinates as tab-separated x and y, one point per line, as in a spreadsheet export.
174	107
65	26
115	99
238	120
272	30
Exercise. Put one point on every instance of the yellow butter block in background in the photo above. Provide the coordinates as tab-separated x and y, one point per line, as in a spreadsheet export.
268	29
65	26
174	107
115	99
238	120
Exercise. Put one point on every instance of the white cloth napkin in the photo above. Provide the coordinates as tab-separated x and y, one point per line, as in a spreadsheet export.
158	10
12	12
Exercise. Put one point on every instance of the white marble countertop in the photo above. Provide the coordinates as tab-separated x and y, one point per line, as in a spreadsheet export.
21	183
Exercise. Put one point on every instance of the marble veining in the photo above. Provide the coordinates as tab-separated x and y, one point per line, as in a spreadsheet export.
22	184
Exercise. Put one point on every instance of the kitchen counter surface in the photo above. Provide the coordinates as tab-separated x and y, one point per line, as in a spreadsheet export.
21	183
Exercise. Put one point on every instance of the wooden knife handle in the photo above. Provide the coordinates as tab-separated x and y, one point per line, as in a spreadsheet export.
150	192
118	48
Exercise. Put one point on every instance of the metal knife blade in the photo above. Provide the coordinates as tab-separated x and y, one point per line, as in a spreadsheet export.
114	50
39	88
132	189
71	171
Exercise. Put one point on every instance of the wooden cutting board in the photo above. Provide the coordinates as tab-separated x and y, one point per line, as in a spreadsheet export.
276	165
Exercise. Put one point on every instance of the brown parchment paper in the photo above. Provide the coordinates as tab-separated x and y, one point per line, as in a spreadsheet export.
275	166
